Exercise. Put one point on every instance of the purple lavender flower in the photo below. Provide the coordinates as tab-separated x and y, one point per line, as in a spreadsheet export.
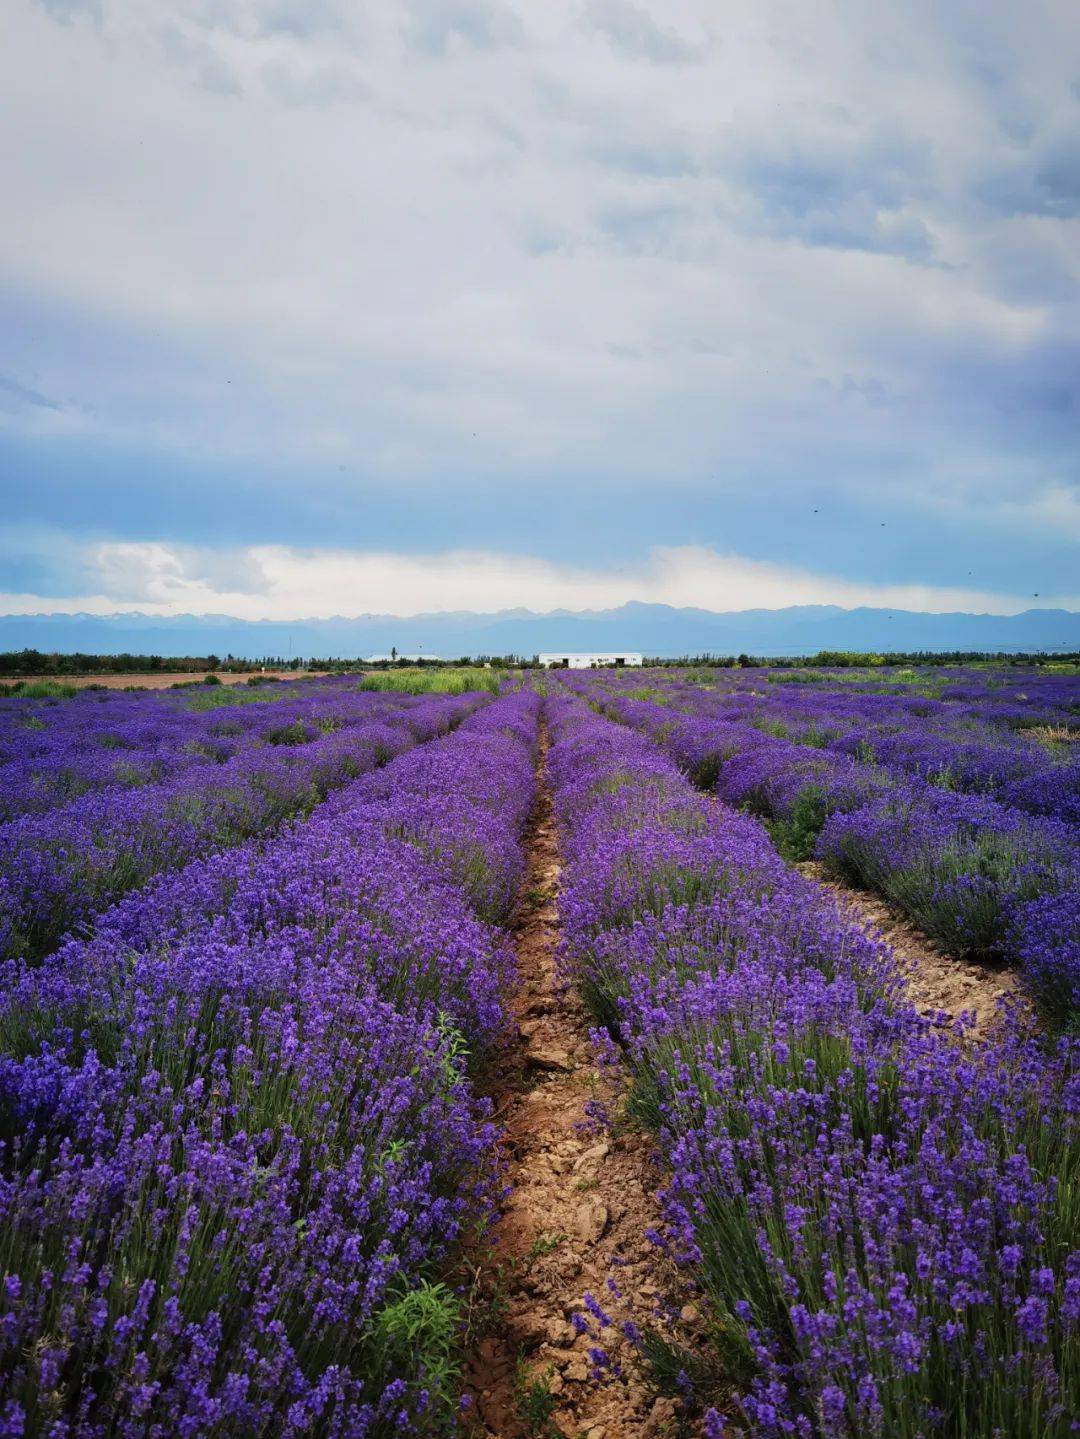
869	1211
238	1139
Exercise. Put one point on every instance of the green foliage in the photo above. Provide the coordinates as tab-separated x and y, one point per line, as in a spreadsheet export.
796	835
706	1372
40	690
455	1051
418	1333
545	1244
535	1402
289	734
427	681
222	696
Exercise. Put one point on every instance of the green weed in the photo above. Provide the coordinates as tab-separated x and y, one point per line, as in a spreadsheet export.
534	1401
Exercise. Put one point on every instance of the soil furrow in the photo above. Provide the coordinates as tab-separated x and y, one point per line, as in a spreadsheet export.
938	981
578	1206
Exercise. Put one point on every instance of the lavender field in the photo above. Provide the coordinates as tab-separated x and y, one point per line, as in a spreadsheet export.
878	1211
520	1061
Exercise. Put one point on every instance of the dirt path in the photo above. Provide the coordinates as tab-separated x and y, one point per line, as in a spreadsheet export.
937	980
578	1208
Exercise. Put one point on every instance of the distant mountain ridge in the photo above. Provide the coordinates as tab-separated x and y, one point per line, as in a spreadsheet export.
659	630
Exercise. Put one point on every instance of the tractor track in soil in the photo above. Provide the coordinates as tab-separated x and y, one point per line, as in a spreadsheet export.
579	1203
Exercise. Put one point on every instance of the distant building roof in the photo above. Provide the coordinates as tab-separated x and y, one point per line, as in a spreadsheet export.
588	659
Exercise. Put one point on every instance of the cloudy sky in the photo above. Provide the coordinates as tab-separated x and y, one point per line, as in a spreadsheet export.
310	307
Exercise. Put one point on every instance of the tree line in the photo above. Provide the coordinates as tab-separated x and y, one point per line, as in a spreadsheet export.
35	663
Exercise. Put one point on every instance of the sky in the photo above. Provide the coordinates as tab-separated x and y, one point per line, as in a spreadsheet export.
312	308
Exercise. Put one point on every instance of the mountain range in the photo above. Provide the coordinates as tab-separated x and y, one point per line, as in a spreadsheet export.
659	630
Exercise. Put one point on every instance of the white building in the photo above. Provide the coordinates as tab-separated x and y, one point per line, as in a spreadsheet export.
566	661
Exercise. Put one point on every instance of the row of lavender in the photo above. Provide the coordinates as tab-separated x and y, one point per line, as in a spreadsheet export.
61	868
964	746
1019	754
883	1226
1008	699
52	751
985	879
238	1139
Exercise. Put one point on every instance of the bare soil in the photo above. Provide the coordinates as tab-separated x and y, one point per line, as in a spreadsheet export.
939	983
579	1203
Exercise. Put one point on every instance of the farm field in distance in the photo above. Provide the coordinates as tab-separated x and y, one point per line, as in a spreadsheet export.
167	679
442	679
675	1051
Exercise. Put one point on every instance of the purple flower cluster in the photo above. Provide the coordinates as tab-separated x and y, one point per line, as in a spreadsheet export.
881	1223
960	746
1045	932
53	751
238	1138
60	868
960	864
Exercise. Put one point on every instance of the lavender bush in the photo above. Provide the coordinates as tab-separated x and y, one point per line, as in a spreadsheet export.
882	1224
959	864
59	869
237	1135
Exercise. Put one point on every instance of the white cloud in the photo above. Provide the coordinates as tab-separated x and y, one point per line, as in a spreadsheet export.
1041	511
1056	509
524	252
412	224
277	582
633	30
